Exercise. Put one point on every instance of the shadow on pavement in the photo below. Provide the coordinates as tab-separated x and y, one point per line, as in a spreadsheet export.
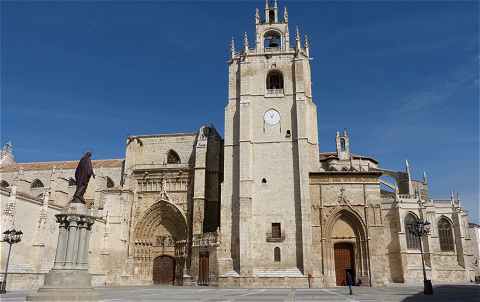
450	293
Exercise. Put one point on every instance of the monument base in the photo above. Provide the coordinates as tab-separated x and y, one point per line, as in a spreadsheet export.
69	280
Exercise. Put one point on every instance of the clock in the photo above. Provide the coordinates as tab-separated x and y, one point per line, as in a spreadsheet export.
271	117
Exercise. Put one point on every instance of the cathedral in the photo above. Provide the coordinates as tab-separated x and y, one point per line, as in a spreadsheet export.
260	207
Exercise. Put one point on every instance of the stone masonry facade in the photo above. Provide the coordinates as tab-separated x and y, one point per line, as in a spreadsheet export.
261	207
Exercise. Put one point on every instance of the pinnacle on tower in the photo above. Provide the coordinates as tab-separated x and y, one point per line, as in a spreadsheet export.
266	4
298	42
307	46
407	170
275	4
257	16
232	48
285	15
245	43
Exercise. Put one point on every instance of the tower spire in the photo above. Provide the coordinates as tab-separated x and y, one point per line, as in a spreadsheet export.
257	16
285	15
275	4
266	4
245	43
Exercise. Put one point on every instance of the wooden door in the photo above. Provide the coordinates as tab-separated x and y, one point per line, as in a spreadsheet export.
344	261
203	271
163	270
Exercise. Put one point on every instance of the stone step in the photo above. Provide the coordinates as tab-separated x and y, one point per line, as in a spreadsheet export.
278	272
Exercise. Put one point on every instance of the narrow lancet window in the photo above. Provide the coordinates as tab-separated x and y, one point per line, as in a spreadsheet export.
276	254
413	242
445	235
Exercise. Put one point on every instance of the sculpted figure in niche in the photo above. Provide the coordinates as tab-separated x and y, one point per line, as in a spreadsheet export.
82	176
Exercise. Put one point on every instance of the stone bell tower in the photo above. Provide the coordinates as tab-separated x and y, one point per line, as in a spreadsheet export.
270	148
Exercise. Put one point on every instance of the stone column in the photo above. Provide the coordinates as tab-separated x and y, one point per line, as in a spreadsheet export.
72	242
69	279
82	261
61	242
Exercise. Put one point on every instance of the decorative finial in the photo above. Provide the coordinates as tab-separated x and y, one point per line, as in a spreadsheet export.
245	43
257	16
232	48
275	4
298	40
425	181
285	15
407	170
307	46
266	4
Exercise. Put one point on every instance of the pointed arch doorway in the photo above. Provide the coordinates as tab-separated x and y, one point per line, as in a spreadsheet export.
347	248
160	245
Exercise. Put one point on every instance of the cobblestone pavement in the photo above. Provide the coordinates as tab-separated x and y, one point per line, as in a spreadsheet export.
450	293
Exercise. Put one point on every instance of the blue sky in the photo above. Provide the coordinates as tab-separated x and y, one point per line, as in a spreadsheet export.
402	77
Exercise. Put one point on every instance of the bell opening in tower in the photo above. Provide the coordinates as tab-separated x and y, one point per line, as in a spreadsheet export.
271	16
272	40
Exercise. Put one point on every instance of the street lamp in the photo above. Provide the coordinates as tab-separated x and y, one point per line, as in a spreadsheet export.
11	236
420	229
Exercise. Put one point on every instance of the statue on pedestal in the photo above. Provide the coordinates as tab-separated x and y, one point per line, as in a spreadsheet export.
69	279
82	176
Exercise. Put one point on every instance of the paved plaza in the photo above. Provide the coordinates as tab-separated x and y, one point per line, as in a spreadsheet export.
450	293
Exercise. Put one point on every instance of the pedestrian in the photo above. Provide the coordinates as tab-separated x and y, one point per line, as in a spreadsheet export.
349	282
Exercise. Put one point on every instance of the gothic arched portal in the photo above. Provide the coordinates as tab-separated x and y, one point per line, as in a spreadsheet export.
159	234
346	247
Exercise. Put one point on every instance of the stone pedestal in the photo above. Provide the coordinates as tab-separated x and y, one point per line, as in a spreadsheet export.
69	280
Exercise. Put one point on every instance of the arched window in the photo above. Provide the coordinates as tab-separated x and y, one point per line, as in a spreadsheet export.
172	157
71	182
274	81
4	184
342	144
37	184
276	254
413	242
445	235
272	40
271	16
110	183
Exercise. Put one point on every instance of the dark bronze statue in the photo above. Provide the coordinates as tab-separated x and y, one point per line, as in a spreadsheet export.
82	176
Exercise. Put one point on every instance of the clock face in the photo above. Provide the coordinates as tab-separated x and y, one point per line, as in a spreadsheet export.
271	117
